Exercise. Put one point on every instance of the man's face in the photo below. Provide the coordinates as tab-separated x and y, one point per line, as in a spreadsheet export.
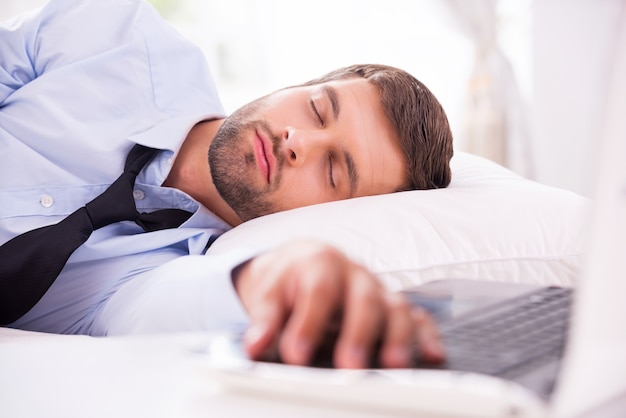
306	145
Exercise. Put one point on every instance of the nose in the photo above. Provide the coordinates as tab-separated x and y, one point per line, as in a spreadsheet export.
301	145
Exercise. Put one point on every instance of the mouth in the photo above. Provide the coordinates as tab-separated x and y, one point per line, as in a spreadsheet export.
263	153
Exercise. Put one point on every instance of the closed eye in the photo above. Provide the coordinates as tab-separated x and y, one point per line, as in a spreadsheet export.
316	112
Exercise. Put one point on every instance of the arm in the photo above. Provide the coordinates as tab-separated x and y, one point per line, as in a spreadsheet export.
289	297
174	293
292	294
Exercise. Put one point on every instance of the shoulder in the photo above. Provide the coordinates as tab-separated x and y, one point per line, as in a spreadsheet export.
86	27
132	37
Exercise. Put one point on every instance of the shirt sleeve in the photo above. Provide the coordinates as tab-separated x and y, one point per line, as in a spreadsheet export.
188	294
17	46
66	33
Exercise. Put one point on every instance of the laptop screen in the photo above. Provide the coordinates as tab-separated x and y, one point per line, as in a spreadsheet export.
595	364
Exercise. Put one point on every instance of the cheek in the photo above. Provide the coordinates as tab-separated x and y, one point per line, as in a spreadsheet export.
285	111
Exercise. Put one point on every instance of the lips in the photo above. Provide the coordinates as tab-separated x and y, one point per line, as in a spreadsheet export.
264	158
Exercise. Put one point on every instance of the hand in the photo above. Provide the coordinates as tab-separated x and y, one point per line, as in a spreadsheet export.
294	293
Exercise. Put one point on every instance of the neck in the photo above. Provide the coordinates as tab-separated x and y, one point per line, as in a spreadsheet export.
191	172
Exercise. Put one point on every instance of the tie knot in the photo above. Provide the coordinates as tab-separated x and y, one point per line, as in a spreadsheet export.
115	204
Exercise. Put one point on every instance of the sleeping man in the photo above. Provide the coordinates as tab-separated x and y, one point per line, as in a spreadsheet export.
83	82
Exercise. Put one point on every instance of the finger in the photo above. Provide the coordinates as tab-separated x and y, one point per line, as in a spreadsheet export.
315	302
428	339
396	350
261	337
265	308
364	316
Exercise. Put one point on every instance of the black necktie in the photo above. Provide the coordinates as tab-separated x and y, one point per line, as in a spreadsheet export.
30	262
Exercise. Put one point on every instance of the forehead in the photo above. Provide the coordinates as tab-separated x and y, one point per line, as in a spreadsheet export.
369	135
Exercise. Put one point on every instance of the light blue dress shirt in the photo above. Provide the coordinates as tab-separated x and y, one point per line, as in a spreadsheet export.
80	83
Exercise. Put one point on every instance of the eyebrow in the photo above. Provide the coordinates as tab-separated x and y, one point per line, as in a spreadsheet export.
333	98
353	174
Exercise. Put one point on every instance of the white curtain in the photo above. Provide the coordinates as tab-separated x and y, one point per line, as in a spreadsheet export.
494	119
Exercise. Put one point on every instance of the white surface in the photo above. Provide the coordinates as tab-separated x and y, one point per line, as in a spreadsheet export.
52	376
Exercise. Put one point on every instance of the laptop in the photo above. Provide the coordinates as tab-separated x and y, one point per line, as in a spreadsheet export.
582	351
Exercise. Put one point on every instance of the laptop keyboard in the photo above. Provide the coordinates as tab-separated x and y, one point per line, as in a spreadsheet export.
509	339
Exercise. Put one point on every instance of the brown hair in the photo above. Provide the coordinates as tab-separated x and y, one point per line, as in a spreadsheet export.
418	118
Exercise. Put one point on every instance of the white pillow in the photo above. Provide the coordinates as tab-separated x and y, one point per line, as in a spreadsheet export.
489	224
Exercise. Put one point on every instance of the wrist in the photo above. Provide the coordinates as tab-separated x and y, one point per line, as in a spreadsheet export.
238	273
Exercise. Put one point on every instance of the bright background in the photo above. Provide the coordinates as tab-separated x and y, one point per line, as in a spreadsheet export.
523	81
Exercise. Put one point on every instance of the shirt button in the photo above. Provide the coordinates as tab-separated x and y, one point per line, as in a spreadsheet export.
138	194
170	161
46	200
